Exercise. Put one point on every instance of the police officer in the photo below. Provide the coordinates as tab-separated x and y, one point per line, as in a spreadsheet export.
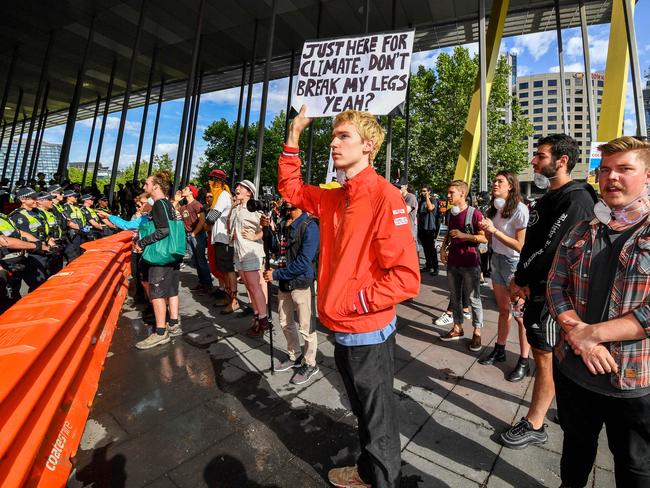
108	227
44	207
76	226
92	219
12	261
25	218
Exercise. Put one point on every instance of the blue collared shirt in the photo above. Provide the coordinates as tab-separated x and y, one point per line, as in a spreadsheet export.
366	338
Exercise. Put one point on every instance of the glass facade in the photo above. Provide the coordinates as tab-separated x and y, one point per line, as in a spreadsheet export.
48	159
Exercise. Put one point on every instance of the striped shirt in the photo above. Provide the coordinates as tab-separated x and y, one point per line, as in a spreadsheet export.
567	289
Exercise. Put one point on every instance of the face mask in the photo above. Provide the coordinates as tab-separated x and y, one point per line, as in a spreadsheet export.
620	218
455	210
499	203
150	201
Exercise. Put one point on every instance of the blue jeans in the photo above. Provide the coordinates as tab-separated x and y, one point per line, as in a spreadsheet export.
468	281
198	245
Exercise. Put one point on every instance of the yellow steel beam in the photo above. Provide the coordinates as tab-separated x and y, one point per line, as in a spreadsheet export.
610	122
471	136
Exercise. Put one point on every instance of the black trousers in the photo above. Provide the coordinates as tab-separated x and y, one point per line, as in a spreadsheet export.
428	240
368	373
72	249
582	414
36	271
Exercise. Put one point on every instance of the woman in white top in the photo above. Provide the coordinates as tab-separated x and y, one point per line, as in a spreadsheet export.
506	227
246	236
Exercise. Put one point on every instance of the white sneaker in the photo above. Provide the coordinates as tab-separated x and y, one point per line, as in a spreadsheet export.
153	340
467	315
444	319
174	331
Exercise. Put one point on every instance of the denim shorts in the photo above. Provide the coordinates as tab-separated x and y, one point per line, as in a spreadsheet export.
503	269
250	264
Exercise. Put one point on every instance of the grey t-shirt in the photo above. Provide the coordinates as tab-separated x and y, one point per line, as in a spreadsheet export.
412	202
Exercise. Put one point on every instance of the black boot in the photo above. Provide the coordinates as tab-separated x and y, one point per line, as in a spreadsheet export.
498	355
520	371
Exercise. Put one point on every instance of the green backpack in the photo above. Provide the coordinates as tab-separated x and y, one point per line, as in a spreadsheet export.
168	250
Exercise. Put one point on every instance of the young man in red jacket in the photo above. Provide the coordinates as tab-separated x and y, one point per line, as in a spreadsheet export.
368	264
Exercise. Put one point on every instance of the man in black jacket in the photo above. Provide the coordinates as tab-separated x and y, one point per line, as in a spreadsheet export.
297	248
565	204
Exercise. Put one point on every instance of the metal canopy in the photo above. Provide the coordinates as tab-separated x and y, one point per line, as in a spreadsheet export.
227	39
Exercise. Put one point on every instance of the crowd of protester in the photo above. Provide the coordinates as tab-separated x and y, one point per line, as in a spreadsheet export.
571	270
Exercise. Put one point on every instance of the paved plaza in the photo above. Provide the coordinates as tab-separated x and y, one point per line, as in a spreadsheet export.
205	411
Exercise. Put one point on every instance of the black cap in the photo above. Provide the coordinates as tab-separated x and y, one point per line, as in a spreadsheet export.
54	189
25	192
70	193
87	196
398	182
103	197
44	195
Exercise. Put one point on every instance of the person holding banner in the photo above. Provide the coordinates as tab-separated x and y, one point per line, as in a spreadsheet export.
368	264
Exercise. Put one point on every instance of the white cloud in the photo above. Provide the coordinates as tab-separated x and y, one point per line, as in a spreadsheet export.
167	148
597	50
276	100
424	58
568	68
472	48
112	124
629	127
536	44
523	70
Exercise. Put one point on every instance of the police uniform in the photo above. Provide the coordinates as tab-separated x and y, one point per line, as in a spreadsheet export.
52	231
12	265
27	221
72	249
89	214
106	230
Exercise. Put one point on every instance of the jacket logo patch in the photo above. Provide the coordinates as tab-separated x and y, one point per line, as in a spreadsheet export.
401	221
399	211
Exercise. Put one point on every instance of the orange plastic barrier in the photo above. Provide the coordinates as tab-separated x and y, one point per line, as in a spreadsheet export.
53	344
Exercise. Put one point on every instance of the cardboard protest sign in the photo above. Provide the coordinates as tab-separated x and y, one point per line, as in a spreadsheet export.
367	73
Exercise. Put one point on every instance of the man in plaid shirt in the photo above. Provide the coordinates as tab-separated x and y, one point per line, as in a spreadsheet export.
599	292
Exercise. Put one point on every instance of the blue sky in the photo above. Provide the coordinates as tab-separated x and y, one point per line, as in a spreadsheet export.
537	53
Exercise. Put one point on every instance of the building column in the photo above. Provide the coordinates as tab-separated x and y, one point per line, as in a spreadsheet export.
37	102
483	160
588	82
560	55
289	91
192	134
389	130
635	68
155	128
265	93
612	107
407	130
74	103
188	92
143	123
125	102
470	143
37	151
20	140
13	131
100	143
310	134
249	100
238	125
90	141
39	132
8	80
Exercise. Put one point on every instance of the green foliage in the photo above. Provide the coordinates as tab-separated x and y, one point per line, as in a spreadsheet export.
439	103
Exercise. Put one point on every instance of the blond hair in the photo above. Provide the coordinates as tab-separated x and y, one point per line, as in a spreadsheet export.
367	127
460	184
626	144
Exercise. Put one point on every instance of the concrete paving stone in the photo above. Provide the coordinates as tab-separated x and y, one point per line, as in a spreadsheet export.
149	370
436	363
293	475
603	478
162	482
418	472
163	404
411	341
146	458
604	457
412	416
430	397
244	459
542	469
329	394
101	430
205	336
458	445
279	381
